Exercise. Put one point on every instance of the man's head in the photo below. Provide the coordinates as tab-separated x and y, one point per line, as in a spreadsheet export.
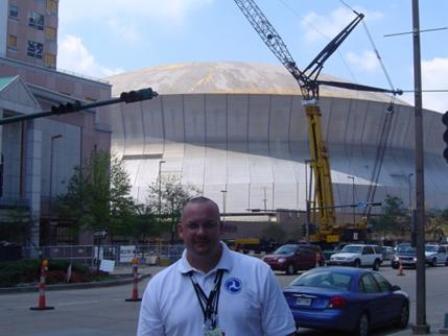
200	227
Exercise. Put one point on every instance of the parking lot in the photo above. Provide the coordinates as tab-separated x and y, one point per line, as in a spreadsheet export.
103	311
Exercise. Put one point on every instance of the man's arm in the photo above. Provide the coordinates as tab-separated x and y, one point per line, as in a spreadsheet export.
150	321
276	316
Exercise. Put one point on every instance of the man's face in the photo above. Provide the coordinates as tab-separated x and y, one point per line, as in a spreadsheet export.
200	229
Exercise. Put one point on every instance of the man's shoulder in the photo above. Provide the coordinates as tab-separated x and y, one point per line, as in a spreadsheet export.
167	273
246	261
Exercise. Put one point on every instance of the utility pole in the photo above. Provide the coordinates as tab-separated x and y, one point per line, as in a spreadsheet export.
420	327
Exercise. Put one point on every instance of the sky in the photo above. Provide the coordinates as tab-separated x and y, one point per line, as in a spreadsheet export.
100	38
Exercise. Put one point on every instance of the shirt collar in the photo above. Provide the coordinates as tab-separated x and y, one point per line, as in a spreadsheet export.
225	262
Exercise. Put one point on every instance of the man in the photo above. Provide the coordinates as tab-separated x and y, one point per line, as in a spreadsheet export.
212	290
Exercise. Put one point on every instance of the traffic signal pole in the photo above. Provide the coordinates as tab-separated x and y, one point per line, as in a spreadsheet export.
420	327
76	106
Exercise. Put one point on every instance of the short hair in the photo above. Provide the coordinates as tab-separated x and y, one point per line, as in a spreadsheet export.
200	200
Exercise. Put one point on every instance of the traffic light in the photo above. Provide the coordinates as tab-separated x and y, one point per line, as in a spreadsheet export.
135	96
445	135
66	108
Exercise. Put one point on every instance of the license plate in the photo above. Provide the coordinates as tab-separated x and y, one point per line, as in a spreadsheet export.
303	302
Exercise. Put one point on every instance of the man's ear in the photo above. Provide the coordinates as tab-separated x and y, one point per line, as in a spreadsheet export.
180	230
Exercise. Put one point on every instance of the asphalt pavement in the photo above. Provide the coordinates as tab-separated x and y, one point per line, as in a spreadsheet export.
103	311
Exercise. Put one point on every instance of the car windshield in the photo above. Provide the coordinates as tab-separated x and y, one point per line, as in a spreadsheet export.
403	247
431	248
352	249
407	251
286	249
324	279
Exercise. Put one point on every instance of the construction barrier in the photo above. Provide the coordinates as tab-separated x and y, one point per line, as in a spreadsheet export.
42	302
134	295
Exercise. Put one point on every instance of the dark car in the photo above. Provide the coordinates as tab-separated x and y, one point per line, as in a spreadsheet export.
406	255
293	257
346	299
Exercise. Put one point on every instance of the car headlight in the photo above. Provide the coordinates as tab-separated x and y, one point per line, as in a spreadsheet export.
281	260
415	259
396	258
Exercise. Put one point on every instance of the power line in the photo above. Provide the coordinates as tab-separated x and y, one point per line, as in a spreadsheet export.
421	31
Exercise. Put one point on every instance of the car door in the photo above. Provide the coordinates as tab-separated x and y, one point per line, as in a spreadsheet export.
441	255
368	256
375	300
392	302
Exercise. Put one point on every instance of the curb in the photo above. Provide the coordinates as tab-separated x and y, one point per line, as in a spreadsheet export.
82	285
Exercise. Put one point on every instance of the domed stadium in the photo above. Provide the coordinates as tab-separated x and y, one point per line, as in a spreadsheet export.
240	129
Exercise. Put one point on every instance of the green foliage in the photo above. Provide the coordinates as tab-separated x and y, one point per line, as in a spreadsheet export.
166	200
15	225
13	273
394	219
98	198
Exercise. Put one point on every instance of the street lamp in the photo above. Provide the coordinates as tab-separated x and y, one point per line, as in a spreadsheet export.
224	192
50	193
160	186
353	198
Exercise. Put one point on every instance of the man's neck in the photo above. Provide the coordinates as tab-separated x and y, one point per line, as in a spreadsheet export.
205	263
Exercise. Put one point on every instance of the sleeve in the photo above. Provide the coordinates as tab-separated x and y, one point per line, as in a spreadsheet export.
150	321
276	317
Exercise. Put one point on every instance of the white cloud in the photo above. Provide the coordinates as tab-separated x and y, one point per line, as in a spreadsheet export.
164	11
434	77
366	61
326	26
74	56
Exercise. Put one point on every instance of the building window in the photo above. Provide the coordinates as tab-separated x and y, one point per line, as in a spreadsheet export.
52	6
50	60
35	49
36	20
14	12
12	41
50	33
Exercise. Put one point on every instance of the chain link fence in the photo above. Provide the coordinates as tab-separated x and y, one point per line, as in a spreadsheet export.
150	254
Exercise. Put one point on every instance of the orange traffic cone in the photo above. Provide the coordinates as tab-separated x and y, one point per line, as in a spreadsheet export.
42	302
134	296
400	269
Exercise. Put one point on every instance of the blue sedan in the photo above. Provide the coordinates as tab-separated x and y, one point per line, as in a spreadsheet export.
347	299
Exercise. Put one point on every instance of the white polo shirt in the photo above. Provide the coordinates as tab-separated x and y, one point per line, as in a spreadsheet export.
250	303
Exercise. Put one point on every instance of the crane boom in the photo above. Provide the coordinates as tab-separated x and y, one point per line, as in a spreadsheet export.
309	86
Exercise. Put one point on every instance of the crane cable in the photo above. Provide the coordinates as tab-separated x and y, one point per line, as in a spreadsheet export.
385	129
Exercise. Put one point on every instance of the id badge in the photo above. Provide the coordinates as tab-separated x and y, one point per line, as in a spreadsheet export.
213	332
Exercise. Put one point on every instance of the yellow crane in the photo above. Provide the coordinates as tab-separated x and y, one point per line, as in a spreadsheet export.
308	82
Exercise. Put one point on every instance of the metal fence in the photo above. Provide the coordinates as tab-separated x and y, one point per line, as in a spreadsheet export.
151	254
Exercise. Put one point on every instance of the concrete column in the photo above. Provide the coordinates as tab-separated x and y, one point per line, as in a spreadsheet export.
33	167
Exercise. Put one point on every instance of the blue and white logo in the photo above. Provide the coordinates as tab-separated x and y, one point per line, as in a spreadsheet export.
233	285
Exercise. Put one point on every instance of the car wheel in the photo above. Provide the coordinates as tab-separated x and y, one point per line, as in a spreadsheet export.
362	329
376	265
290	269
357	263
434	262
446	262
403	319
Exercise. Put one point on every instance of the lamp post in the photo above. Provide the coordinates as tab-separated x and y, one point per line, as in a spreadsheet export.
224	193
50	193
307	198
160	186
409	178
353	198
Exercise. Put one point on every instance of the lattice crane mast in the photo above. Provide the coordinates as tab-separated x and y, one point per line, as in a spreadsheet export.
309	86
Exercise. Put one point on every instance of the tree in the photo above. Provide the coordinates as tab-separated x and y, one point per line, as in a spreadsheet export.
166	199
98	197
394	219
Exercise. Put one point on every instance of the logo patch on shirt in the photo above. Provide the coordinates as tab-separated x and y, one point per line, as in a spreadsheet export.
233	285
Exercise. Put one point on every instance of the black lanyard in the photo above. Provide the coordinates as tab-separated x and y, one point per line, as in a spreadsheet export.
209	305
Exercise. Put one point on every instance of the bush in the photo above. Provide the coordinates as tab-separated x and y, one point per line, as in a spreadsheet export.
28	271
